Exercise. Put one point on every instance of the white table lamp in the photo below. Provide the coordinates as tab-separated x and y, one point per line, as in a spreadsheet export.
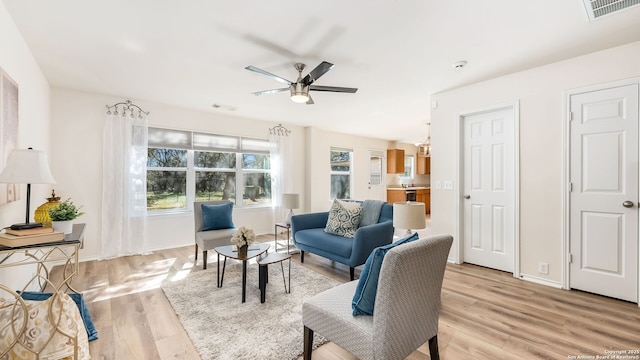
409	215
27	166
290	201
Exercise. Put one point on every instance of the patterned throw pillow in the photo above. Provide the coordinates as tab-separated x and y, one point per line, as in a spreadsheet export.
344	218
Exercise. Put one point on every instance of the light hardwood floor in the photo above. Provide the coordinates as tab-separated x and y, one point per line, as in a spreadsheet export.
486	314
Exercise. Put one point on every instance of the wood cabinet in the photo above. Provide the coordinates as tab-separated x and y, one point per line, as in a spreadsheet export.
396	196
395	161
423	164
424	196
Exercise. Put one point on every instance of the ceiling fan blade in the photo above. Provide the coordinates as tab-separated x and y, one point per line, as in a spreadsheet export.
265	92
310	101
268	74
317	72
333	89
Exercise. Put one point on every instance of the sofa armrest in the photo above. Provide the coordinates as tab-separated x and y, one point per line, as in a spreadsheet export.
308	221
370	237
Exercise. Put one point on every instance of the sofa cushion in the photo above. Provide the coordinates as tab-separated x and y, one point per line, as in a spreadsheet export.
365	296
318	239
216	217
344	218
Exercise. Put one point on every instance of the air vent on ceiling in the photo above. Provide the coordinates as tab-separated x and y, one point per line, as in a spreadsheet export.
599	8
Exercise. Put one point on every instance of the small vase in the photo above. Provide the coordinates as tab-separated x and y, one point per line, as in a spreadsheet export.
242	250
65	227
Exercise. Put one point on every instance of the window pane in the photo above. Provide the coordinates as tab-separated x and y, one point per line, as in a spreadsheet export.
340	187
215	142
375	170
166	158
256	145
257	189
177	139
166	189
408	166
255	161
340	160
215	160
215	185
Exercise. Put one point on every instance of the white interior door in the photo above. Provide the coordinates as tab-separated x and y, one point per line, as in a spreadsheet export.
376	189
488	189
604	192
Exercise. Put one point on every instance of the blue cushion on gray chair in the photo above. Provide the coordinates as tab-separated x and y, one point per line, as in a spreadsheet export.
216	217
365	296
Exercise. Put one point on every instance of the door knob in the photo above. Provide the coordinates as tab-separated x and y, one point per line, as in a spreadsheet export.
627	204
467	197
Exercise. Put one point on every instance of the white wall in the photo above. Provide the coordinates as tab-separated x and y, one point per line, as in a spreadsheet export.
78	119
317	173
541	95
33	103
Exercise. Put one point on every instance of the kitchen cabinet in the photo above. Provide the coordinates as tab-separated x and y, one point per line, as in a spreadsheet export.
395	196
424	196
423	164
395	161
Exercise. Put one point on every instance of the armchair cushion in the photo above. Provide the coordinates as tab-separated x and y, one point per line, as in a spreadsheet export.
344	218
216	217
365	295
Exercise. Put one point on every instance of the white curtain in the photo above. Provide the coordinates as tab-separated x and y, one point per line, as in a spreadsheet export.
281	168
124	183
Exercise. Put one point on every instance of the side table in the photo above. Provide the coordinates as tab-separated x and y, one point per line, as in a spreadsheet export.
263	272
276	240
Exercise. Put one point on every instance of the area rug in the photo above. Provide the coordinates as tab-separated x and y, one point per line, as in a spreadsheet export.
222	327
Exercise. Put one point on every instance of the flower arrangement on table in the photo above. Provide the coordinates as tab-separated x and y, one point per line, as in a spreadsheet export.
243	238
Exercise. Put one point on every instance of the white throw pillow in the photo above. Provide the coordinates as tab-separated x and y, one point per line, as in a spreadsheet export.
344	218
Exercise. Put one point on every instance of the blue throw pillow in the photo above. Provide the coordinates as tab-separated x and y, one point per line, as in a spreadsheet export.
216	217
92	334
365	296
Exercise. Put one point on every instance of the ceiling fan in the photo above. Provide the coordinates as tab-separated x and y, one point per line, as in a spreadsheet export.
300	89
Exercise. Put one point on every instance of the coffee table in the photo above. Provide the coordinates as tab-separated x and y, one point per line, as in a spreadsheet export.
230	251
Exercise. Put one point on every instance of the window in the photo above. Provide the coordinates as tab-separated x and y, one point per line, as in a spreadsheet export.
186	166
341	169
408	167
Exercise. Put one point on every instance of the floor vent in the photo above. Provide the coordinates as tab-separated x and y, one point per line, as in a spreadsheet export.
599	8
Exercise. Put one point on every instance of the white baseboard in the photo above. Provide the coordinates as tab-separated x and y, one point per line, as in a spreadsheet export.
541	281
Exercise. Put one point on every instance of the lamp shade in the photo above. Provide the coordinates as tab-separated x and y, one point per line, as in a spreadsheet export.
409	215
27	166
290	201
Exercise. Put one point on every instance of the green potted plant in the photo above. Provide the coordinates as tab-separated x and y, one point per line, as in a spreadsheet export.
63	214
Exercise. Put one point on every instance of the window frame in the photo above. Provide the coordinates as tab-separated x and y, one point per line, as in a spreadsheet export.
339	172
192	141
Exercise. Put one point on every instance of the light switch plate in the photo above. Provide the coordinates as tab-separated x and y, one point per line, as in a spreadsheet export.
438	185
448	184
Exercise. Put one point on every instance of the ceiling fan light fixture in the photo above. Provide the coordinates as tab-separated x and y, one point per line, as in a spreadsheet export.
299	93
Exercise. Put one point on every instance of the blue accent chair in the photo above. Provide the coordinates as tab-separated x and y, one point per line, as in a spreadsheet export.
309	236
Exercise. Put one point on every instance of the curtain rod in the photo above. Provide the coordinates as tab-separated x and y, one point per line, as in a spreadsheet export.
127	105
279	130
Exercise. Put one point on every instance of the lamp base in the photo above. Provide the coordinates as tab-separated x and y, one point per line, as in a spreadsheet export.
287	220
24	226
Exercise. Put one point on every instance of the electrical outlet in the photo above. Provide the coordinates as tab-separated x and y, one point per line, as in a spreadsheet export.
543	268
448	184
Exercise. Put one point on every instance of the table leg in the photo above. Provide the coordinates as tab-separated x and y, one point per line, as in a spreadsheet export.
244	279
262	271
218	270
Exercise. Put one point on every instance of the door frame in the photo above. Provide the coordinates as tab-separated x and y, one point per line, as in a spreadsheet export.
459	210
566	176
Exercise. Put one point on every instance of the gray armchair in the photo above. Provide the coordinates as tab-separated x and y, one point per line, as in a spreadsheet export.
407	306
207	240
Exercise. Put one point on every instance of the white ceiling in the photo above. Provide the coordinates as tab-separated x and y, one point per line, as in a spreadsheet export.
193	53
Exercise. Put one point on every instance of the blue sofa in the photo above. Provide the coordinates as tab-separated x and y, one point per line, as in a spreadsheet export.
309	235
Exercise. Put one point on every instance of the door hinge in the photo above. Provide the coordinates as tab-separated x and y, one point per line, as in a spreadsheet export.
570	187
570	258
570	116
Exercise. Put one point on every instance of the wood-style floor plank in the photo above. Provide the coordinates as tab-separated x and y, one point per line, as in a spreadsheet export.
486	314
